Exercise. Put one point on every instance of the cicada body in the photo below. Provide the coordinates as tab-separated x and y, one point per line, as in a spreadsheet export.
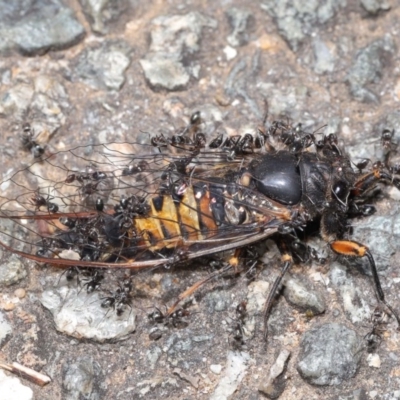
138	206
135	206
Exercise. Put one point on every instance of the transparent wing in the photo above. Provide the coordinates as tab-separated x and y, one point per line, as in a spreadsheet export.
132	205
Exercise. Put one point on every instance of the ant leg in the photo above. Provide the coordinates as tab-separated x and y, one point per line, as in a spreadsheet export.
361	210
368	181
353	249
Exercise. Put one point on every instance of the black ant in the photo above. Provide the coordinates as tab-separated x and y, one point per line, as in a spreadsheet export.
93	280
119	298
175	318
70	274
29	143
362	164
386	138
133	169
90	183
238	332
39	201
373	338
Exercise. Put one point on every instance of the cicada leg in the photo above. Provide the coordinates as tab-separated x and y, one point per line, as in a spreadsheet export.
351	248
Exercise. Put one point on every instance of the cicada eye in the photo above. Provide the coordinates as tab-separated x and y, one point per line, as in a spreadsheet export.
340	190
278	177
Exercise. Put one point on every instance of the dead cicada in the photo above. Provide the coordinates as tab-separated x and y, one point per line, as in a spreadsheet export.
176	199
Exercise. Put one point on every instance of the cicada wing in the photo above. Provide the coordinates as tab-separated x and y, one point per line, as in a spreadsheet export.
131	205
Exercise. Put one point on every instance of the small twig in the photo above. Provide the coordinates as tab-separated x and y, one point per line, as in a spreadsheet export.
27	373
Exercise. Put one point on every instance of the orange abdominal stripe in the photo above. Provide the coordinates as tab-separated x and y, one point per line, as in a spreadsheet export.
349	248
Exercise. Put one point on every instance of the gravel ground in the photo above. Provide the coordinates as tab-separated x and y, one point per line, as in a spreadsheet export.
86	72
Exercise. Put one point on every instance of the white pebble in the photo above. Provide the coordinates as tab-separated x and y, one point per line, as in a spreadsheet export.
374	360
216	368
230	53
12	388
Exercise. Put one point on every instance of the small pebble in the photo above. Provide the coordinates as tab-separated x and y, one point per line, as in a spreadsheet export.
216	368
8	306
20	293
374	360
274	383
230	52
12	388
328	354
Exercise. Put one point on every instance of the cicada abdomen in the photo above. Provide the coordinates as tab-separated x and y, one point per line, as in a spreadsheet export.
134	206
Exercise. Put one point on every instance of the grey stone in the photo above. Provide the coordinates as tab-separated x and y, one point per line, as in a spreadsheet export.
358	394
273	385
173	39
217	301
16	100
394	395
328	355
170	342
324	59
396	226
237	364
381	234
239	21
296	19
49	105
285	101
194	381
176	34
102	67
100	13
153	355
164	73
202	338
5	329
353	299
36	26
12	271
181	345
93	10
297	293
6	77
81	379
368	68
373	7
237	82
79	314
256	297
45	98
